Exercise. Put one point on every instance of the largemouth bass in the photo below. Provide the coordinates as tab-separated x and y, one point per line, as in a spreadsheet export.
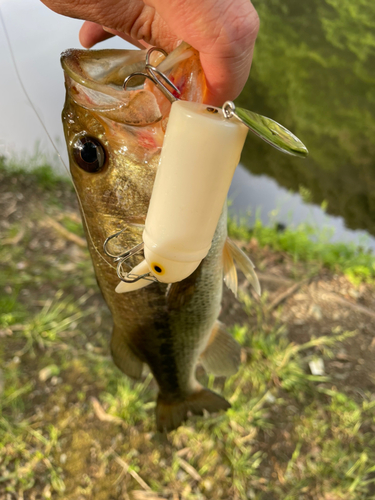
114	138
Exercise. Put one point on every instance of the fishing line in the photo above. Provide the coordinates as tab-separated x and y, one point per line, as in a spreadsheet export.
15	66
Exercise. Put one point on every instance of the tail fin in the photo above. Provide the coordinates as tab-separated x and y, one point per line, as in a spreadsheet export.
171	414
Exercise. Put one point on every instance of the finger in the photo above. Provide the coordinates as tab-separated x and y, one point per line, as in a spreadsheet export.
137	43
134	21
92	33
226	76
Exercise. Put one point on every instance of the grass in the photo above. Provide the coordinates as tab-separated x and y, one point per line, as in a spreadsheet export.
306	243
73	427
36	167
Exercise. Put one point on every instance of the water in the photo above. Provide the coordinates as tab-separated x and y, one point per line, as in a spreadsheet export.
313	71
261	197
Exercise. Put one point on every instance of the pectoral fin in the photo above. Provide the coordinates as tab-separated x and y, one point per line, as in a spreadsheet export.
222	355
231	252
123	356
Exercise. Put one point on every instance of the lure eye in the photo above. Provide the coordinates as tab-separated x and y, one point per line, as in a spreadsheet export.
89	154
157	269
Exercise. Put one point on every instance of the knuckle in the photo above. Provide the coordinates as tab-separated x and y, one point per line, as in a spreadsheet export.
236	31
245	29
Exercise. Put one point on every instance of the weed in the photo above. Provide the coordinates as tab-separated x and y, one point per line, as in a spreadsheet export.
37	167
55	318
127	399
306	243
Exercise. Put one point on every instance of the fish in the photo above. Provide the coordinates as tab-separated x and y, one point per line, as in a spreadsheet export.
114	138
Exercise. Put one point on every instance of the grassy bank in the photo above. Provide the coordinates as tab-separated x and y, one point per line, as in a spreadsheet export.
72	426
308	244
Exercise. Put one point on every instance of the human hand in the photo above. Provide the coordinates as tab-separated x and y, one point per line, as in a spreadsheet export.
223	31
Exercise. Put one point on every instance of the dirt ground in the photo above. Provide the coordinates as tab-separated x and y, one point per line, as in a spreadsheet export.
95	455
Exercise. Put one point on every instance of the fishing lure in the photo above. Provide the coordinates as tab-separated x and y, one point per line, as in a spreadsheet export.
201	149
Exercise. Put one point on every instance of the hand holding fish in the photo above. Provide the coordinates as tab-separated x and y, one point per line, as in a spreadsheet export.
223	31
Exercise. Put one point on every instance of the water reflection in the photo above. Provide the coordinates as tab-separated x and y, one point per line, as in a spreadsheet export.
314	71
260	197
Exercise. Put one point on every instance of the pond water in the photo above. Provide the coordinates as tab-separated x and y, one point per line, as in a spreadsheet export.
313	71
259	196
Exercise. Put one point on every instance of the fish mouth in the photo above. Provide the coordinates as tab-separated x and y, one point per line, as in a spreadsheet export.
102	70
94	81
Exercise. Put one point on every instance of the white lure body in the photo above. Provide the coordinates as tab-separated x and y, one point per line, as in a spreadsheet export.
200	153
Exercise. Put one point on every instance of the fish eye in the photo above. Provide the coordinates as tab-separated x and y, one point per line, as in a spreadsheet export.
89	154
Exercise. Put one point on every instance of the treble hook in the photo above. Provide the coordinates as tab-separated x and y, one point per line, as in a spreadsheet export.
133	278
150	74
107	240
123	257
